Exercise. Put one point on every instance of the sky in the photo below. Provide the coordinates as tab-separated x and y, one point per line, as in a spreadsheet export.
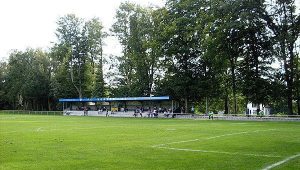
32	23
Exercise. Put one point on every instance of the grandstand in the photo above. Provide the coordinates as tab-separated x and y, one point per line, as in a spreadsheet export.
125	106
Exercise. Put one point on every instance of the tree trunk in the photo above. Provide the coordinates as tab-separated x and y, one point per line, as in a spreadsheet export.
186	104
298	101
49	104
233	87
258	109
206	105
290	102
226	110
291	78
297	82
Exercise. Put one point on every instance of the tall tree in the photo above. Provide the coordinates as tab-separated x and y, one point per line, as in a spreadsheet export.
284	22
226	35
79	54
94	35
69	34
134	28
189	60
256	54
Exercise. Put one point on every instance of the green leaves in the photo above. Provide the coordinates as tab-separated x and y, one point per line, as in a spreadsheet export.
28	77
79	52
136	31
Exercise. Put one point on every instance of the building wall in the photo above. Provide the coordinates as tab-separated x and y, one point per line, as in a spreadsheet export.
252	109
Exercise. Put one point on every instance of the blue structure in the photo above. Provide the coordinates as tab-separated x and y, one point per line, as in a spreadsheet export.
116	99
117	104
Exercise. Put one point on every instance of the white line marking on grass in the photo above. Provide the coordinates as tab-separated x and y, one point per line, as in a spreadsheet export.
39	129
8	132
171	129
281	162
186	141
163	146
221	152
213	137
239	133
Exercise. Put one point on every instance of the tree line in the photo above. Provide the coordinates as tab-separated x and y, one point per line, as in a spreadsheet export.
216	54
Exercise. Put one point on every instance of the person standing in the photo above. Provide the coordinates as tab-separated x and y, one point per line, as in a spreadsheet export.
211	115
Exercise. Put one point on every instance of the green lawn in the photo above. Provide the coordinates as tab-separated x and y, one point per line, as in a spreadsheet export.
62	142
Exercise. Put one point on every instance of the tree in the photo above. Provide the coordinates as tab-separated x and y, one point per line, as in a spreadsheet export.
191	64
69	34
285	23
4	104
28	79
135	30
256	53
226	35
79	57
94	36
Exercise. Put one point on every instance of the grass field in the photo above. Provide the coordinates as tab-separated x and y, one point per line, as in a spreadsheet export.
62	142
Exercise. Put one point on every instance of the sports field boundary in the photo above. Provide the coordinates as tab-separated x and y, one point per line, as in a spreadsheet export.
167	145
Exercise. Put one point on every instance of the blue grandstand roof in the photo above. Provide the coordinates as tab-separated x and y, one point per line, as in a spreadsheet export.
116	99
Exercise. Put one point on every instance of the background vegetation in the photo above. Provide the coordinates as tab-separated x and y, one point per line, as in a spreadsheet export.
225	53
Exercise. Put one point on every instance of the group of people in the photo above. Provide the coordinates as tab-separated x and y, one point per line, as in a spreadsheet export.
138	111
103	109
151	112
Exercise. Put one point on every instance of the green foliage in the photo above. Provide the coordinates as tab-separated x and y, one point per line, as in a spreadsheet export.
134	27
256	57
4	104
285	23
78	57
28	79
189	72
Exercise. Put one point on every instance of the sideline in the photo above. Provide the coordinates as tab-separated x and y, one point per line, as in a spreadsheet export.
213	137
164	146
281	162
223	152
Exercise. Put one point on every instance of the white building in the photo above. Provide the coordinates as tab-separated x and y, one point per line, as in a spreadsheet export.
252	109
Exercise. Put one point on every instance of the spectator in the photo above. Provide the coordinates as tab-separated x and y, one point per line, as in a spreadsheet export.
193	110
